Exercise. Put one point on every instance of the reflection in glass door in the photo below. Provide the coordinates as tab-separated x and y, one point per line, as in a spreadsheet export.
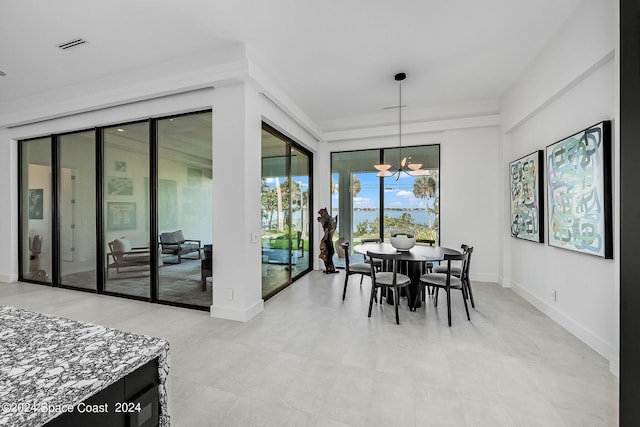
77	204
286	216
126	209
185	221
36	205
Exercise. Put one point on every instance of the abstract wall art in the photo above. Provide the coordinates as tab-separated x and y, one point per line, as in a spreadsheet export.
527	200
579	192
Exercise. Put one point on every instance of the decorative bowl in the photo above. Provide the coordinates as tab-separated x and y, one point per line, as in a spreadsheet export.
403	240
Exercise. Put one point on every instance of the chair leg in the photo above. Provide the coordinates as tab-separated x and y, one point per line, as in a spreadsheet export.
373	291
466	307
361	277
449	306
436	291
344	291
468	282
397	294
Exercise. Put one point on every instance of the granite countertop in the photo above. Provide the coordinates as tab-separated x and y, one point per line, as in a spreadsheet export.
47	362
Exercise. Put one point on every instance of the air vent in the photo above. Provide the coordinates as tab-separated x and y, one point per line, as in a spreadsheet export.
72	43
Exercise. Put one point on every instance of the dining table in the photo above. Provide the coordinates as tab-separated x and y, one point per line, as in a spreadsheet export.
414	258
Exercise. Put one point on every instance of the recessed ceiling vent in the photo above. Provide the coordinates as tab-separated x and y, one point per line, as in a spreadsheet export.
71	44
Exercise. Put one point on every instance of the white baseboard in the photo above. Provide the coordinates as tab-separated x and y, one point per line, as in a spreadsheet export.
239	315
480	277
586	336
8	278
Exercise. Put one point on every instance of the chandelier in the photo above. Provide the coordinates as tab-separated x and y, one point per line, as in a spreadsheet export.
405	165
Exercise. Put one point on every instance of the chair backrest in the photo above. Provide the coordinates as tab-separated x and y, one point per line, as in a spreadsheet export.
370	240
172	238
426	242
463	258
119	246
346	246
388	258
465	270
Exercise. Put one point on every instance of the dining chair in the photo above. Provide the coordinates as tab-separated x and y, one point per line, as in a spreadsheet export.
362	268
387	280
376	262
457	271
427	266
448	281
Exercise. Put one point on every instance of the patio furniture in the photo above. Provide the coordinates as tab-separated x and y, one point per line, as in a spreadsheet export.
174	243
123	255
206	266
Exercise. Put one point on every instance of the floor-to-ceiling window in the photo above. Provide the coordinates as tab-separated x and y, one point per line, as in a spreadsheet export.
286	216
185	208
93	204
369	206
125	209
36	210
77	209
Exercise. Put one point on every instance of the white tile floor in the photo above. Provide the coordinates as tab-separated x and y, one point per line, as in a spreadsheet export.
311	360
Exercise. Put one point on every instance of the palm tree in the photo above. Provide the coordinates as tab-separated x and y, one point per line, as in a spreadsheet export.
356	186
424	187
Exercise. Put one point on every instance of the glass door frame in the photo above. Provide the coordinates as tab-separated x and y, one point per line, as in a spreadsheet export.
290	143
54	140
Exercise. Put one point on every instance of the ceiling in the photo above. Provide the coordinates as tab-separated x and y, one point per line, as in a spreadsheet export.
335	59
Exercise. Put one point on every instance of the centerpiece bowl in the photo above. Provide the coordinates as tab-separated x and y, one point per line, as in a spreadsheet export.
403	240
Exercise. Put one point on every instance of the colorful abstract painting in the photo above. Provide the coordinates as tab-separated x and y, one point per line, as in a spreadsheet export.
525	175
579	191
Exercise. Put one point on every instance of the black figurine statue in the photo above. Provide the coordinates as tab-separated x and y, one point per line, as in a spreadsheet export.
329	225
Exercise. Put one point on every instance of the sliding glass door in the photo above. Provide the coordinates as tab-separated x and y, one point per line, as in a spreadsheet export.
286	217
126	214
184	211
36	210
77	205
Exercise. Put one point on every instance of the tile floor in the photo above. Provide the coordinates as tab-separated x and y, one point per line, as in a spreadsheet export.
312	360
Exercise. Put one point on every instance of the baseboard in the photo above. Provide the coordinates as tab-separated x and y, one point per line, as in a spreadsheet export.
480	277
586	336
239	315
8	278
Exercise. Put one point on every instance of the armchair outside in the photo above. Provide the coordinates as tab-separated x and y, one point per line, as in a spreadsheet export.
122	255
174	243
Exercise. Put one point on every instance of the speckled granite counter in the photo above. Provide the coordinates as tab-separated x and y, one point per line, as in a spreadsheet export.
48	363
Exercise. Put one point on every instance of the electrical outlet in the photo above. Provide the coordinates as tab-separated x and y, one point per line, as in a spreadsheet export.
554	295
229	294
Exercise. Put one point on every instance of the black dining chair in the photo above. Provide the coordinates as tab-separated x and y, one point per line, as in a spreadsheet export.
376	262
427	266
448	281
388	279
362	268
457	271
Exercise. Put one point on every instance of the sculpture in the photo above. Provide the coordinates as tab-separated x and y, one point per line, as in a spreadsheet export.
329	225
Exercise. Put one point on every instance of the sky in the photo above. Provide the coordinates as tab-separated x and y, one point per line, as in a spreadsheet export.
398	194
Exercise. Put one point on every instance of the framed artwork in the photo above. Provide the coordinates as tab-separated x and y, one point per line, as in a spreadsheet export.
36	203
527	197
121	216
120	186
579	192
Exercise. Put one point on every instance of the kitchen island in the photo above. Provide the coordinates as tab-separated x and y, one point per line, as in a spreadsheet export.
56	371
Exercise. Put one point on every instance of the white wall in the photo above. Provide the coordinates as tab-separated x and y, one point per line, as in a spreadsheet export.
570	86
